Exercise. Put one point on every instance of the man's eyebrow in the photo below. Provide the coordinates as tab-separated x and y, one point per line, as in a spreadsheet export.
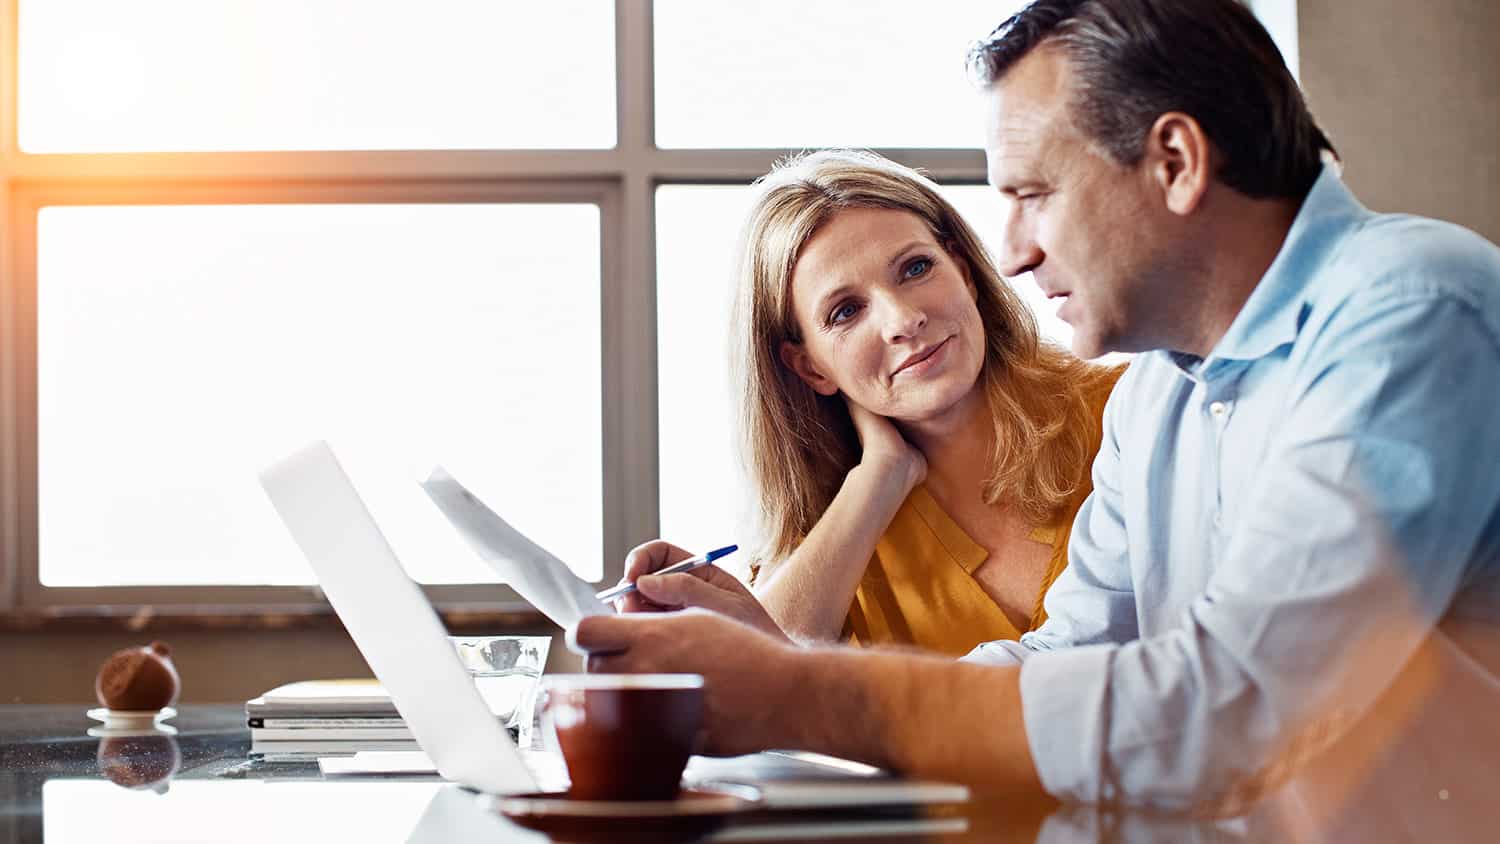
1018	186
1013	174
1025	162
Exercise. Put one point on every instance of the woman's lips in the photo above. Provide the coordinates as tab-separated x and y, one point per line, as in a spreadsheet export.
926	362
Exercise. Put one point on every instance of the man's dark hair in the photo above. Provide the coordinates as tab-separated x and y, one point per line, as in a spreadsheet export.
1135	60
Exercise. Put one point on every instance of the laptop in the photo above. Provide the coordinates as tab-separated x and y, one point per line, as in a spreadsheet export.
405	644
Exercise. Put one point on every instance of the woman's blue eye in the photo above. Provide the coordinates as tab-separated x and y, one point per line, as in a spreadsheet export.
918	267
843	312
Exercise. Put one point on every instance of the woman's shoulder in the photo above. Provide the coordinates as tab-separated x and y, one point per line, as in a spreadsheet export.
1086	384
1101	386
1094	380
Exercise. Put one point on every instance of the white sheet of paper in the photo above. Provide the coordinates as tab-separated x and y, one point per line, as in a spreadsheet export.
542	579
377	763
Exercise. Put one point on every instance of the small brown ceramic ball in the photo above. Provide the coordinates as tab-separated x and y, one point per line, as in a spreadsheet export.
138	679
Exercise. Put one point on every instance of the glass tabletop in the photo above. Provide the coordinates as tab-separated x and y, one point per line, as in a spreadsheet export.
60	785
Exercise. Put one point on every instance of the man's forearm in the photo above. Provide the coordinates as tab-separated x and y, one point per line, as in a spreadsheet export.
921	716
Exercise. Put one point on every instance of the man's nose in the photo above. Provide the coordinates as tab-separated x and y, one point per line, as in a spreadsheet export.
1019	251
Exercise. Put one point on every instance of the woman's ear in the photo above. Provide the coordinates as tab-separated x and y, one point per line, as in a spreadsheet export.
796	359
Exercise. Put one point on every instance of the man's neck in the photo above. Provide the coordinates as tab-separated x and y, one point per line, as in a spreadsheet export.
1233	255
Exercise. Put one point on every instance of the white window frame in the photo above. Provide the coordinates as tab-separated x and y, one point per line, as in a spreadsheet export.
622	181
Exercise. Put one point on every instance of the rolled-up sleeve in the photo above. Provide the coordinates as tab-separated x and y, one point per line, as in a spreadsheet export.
1360	529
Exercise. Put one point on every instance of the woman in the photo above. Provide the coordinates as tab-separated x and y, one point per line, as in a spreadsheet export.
918	452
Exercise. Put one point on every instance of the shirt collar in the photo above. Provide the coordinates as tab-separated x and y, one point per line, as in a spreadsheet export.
1273	314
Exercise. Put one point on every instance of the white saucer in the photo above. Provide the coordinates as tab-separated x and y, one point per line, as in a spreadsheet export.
694	814
115	719
706	800
107	731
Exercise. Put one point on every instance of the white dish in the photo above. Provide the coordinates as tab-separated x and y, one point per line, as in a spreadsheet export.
107	731
125	719
695	813
706	800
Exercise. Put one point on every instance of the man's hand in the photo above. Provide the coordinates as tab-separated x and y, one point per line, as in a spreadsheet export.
923	716
747	675
708	587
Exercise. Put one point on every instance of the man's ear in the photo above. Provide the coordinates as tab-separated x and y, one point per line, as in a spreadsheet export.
796	359
1180	161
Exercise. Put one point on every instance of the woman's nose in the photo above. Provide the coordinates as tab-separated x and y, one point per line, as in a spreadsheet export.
902	319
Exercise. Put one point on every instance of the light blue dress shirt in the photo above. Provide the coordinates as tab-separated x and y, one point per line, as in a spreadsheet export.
1293	544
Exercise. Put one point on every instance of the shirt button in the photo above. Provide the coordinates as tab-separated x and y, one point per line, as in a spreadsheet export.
1219	409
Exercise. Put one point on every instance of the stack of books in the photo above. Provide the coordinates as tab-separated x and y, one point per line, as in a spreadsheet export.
303	721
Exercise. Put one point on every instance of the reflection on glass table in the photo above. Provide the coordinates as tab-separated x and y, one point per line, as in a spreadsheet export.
146	759
57	784
252	812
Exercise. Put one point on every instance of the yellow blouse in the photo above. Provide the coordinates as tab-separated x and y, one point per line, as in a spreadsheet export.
919	589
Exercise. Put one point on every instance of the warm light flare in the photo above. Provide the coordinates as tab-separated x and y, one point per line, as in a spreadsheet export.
99	76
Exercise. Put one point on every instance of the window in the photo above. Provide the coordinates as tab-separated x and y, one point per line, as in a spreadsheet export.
181	75
490	235
232	228
877	73
180	348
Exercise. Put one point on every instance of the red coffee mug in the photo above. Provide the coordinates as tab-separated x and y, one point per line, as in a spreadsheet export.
625	736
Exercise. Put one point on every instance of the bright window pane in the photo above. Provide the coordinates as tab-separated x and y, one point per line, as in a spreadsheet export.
703	492
181	349
703	504
985	212
806	73
189	75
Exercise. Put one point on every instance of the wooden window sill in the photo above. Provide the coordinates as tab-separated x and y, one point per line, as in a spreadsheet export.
144	620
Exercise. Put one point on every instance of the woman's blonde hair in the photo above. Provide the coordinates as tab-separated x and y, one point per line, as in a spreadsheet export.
799	445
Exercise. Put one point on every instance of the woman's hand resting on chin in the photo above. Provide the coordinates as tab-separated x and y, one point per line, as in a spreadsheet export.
884	449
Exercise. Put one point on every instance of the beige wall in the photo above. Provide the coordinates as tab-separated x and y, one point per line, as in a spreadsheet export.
1410	93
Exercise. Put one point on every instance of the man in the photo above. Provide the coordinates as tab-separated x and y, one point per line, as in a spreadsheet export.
1292	551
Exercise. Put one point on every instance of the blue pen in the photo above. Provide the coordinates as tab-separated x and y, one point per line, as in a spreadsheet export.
676	568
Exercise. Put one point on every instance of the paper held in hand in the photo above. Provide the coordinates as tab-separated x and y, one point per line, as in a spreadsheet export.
542	579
